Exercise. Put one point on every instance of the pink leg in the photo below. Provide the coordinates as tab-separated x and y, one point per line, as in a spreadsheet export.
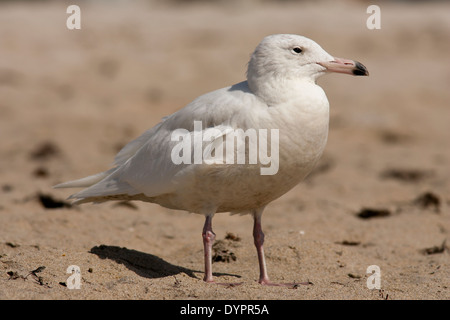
258	237
208	239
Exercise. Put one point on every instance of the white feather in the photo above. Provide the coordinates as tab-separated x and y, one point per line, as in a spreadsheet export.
280	94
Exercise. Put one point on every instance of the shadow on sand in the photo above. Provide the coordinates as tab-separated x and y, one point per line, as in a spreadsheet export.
144	264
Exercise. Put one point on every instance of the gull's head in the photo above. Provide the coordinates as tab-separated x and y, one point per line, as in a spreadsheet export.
288	56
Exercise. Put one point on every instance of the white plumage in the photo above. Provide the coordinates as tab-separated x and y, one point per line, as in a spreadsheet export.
280	94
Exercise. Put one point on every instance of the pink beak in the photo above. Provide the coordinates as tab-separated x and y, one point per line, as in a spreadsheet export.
345	66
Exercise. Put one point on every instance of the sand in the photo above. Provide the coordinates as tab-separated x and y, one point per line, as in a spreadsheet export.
71	98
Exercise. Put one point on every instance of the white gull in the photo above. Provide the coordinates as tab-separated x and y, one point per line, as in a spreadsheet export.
280	95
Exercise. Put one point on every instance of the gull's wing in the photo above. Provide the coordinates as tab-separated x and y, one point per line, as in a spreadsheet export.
145	164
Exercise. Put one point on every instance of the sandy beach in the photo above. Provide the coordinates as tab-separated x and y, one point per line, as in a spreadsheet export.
70	99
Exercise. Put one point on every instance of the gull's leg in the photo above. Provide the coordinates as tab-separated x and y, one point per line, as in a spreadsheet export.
258	237
208	239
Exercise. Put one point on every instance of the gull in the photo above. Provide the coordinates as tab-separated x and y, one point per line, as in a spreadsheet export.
280	96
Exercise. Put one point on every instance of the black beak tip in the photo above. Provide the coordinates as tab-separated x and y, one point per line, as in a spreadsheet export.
360	69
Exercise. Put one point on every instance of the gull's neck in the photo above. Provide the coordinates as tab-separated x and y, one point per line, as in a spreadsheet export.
275	91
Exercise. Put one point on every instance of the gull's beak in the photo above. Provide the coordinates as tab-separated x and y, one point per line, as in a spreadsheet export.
345	66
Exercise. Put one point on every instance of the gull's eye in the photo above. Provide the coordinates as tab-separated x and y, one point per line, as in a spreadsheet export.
297	50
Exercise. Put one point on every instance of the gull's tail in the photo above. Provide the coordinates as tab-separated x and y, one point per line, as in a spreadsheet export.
100	187
85	182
